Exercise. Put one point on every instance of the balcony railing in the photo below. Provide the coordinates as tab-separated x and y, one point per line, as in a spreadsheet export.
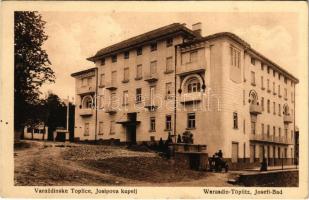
85	89
191	67
110	109
255	109
287	119
151	77
111	86
270	138
86	112
191	97
151	104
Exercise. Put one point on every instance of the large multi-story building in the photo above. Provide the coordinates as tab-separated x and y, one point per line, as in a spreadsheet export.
172	79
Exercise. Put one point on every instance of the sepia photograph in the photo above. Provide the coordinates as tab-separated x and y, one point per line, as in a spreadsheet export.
119	99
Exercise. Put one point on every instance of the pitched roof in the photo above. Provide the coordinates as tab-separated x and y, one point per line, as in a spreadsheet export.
83	71
247	47
143	38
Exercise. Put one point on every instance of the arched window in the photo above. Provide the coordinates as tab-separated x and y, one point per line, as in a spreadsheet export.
87	102
193	85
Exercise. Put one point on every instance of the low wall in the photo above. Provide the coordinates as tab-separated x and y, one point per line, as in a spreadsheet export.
284	178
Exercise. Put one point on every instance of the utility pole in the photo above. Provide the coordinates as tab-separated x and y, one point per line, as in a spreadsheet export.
67	128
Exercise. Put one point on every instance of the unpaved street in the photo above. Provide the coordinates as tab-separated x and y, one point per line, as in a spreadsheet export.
45	164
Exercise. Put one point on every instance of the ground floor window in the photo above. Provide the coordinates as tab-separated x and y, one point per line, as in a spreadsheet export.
152	124
86	131
252	153
191	120
235	120
112	128
168	122
234	152
100	128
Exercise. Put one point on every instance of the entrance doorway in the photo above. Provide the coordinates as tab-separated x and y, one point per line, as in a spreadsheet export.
131	128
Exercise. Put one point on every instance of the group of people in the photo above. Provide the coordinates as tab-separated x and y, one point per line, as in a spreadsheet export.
217	163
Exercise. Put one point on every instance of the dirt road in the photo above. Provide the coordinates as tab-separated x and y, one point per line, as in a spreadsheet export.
47	164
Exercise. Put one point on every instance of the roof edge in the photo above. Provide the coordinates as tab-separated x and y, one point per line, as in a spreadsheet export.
83	71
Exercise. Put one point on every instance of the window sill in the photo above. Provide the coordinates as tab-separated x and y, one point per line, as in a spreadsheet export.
152	131
138	102
101	134
125	104
235	128
101	86
138	78
168	71
167	129
253	84
125	81
190	128
168	98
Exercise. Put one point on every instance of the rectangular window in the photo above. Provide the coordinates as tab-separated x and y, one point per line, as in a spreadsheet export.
153	47
169	42
244	126
279	131
268	130
253	127
274	88
268	105
279	109
263	131
235	57
152	124
279	92
113	99
138	97
262	103
126	55
125	98
102	79
274	107
153	67
191	121
262	82
114	58
285	80
252	78
274	73
285	93
86	131
268	90
101	101
244	97
234	152
235	120
139	51
126	74
292	97
168	90
84	81
193	56
252	61
169	64
168	122
268	69
139	72
101	128
274	131
114	77
112	128
102	61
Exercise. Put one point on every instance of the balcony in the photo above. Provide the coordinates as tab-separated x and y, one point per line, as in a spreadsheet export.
151	77
287	119
191	97
151	105
85	90
270	139
255	109
111	86
86	112
190	68
110	110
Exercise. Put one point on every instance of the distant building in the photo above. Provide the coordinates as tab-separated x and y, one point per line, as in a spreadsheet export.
227	94
38	132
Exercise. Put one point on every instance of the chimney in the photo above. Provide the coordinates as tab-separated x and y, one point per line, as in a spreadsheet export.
197	28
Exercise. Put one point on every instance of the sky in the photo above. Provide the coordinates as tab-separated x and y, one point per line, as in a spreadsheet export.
75	36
